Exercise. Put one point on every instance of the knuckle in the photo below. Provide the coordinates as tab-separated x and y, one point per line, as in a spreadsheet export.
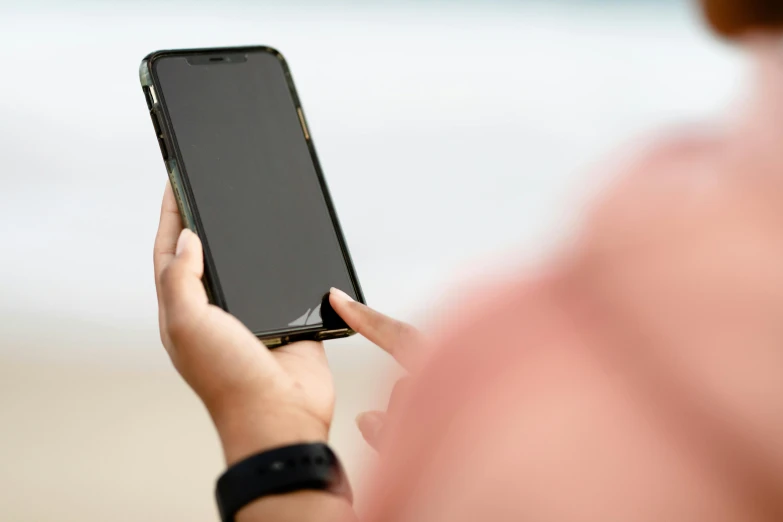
185	324
181	327
177	326
169	278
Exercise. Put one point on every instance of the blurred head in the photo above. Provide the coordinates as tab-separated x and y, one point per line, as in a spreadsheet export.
735	18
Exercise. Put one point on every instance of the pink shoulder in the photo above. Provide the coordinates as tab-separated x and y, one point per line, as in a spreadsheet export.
667	172
679	147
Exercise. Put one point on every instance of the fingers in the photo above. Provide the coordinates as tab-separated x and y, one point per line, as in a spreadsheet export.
372	423
168	232
213	350
371	427
400	394
399	339
182	294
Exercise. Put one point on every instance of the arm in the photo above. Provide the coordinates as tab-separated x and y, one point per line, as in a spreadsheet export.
258	399
302	506
245	431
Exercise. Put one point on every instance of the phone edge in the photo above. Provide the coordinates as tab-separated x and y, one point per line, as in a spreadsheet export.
275	338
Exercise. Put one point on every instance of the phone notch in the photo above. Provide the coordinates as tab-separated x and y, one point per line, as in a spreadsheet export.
217	59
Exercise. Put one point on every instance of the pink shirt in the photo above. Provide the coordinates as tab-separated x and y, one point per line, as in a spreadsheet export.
640	378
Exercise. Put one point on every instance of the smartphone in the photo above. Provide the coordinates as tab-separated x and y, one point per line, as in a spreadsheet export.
247	180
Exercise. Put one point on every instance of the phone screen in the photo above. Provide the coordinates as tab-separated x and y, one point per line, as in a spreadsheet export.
264	215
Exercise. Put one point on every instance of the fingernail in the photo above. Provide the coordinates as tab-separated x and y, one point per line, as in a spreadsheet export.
182	242
340	295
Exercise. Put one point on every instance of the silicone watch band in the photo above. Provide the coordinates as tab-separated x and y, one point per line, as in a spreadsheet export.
281	470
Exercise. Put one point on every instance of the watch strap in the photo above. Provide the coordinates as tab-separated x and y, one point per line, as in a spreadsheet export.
277	471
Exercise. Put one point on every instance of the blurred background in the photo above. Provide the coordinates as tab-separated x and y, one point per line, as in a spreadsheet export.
458	138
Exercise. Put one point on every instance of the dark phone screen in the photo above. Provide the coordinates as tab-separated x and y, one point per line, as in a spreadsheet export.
265	217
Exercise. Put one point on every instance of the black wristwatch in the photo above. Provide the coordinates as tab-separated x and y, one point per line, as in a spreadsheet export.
277	471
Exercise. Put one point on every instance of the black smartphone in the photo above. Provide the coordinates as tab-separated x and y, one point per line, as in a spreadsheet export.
243	167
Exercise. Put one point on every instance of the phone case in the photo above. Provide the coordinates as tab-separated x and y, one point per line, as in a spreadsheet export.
174	166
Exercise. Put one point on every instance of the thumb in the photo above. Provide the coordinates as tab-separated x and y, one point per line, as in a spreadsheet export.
183	296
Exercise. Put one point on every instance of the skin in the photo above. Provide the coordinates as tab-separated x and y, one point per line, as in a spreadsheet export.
258	398
672	283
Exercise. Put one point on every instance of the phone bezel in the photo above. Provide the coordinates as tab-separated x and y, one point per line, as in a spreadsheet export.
178	176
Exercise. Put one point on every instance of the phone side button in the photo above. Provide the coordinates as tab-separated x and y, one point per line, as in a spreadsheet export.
302	121
163	149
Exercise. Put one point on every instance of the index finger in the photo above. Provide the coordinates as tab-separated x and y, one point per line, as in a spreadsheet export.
400	340
168	232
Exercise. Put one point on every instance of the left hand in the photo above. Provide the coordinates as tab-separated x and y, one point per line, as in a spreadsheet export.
258	399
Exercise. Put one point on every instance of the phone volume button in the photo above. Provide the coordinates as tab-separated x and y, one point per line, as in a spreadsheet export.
159	133
163	149
156	121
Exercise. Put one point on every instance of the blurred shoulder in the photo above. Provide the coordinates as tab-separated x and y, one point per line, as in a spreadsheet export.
674	157
668	176
683	143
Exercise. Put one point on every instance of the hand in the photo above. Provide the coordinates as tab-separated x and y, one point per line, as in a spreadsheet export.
400	340
258	399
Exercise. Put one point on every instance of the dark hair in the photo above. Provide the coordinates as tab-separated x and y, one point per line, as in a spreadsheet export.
732	18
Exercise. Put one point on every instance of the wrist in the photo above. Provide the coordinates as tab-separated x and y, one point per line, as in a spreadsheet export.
247	430
298	506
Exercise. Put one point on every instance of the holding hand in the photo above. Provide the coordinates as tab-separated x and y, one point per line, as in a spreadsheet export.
257	398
